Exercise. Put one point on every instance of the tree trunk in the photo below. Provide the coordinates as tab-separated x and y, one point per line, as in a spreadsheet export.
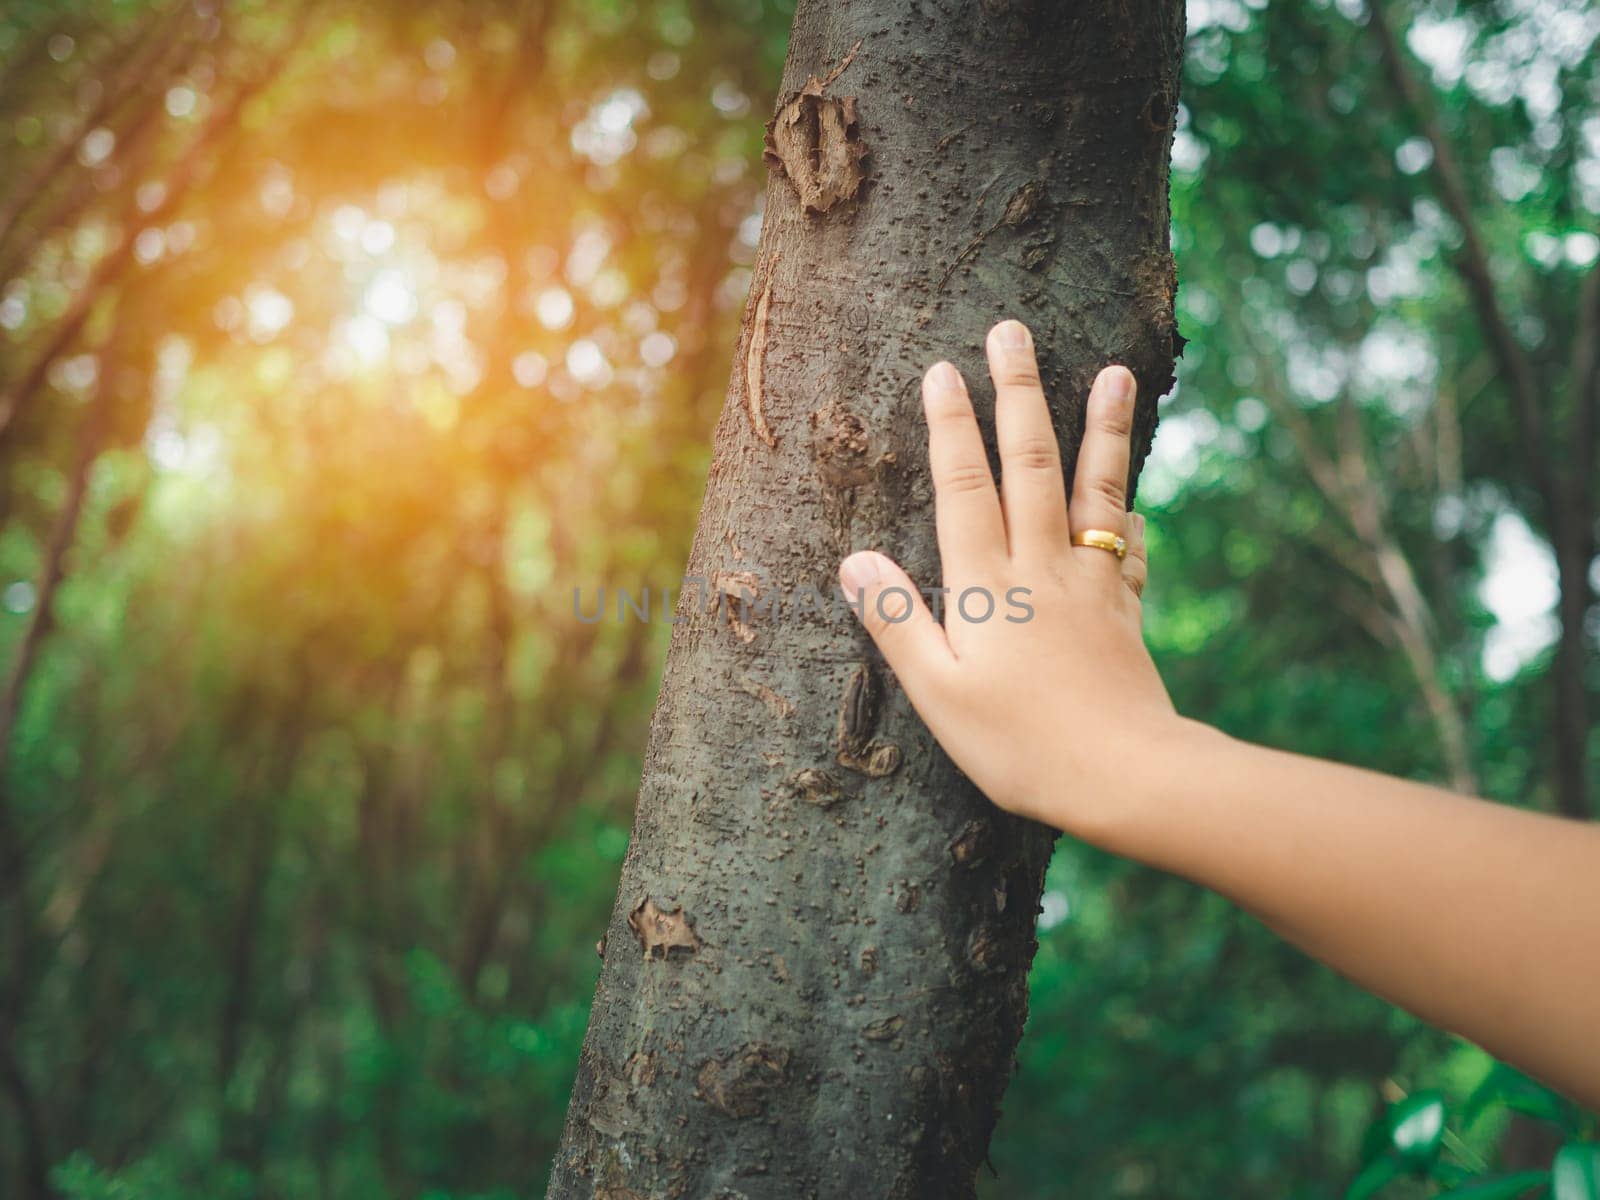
815	974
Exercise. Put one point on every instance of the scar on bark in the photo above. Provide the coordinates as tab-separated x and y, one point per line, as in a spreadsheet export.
642	1068
971	846
815	787
779	706
739	1084
1158	110
840	446
858	721
736	592
986	951
755	359
884	1030
907	896
662	932
814	141
1020	209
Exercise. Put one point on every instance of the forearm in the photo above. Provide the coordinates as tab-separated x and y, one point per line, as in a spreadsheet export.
1478	917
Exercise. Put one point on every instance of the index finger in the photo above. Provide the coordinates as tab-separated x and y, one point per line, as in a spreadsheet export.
972	533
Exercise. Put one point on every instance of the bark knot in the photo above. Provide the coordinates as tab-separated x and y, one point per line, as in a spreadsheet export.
858	721
884	1030
813	139
971	846
739	1084
987	953
840	446
662	932
815	786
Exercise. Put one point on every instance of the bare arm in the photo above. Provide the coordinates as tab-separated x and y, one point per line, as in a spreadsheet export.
1480	918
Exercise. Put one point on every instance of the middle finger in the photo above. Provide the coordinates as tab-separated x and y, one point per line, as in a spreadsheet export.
1032	489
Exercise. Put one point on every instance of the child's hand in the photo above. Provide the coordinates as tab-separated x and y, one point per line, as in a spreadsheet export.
1049	713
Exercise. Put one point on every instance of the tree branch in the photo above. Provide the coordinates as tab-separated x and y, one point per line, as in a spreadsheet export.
149	53
1473	265
117	258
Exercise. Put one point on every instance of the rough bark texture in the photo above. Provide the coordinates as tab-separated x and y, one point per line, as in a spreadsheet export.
815	972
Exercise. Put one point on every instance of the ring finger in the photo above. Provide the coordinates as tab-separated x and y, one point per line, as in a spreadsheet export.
1136	567
1100	483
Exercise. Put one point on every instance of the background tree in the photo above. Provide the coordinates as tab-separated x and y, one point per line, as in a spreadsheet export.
437	330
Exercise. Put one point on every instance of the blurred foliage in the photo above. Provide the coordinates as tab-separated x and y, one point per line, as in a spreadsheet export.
340	341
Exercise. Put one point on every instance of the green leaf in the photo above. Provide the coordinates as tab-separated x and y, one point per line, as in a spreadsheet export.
1509	1086
1450	1174
1575	1175
1499	1187
1375	1141
1416	1127
1374	1178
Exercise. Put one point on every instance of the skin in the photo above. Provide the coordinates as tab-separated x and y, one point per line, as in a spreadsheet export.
1482	919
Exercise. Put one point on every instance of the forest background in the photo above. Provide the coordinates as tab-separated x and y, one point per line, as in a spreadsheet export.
341	341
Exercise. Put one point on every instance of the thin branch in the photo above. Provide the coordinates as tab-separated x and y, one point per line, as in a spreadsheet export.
117	258
53	571
13	857
1473	265
1352	490
1585	385
30	1120
152	55
19	62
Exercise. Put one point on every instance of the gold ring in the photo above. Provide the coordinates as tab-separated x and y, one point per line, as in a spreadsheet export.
1103	539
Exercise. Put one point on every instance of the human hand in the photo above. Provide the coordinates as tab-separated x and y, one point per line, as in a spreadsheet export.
1044	713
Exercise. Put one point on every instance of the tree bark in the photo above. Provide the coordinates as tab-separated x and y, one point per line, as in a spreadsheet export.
815	974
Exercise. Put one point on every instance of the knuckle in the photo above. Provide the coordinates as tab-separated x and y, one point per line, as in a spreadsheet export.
1019	373
949	408
1035	454
964	478
889	617
1108	490
878	625
1117	423
894	605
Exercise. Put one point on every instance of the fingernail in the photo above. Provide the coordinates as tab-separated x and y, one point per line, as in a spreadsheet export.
1118	384
859	571
1013	335
943	375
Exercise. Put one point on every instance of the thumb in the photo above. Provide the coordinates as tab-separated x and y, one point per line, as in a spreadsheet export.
895	614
